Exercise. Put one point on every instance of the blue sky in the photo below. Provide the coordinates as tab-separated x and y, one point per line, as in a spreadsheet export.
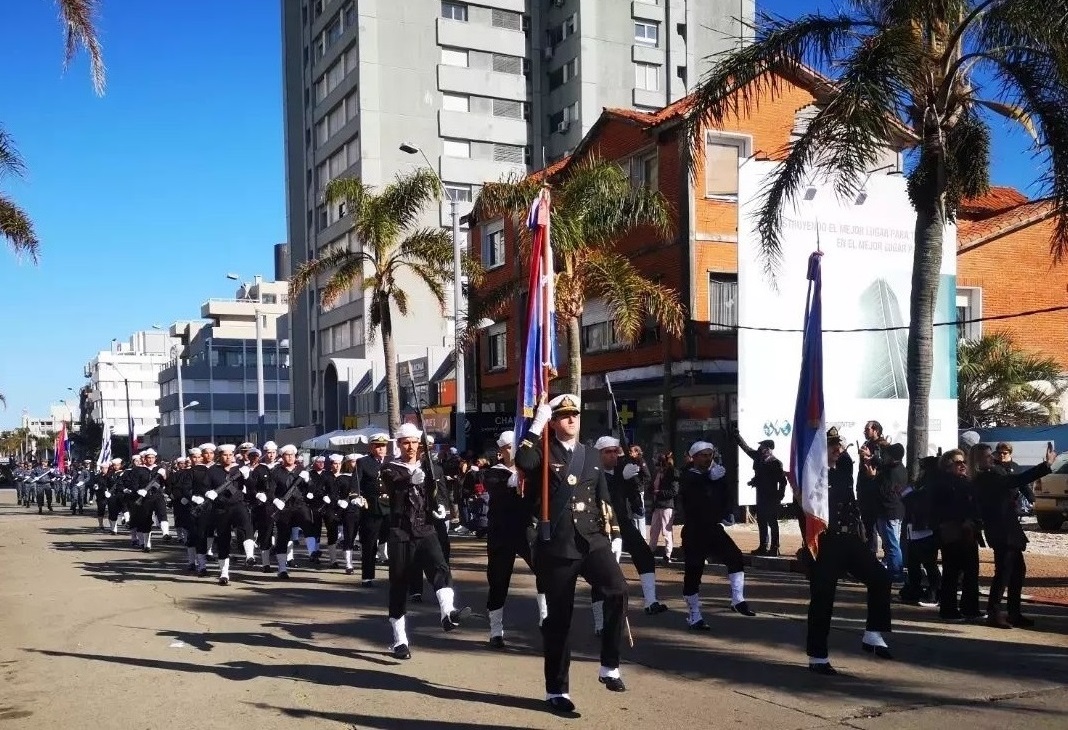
144	198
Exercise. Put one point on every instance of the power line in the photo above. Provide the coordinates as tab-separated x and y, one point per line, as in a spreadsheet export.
954	323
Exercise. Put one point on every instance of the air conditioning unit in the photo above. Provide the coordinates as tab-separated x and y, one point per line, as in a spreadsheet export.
563	126
548	53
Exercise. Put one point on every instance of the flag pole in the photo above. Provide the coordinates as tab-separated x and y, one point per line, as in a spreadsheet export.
546	271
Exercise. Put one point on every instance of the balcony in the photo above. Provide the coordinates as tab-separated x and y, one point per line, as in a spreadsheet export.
461	125
479	37
482	82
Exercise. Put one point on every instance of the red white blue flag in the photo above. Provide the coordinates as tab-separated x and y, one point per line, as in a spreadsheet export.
539	349
808	448
62	449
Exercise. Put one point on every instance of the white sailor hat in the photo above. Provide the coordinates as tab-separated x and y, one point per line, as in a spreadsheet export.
270	446
566	405
149	452
246	445
353	457
254	452
208	447
336	458
288	449
195	451
181	459
700	446
227	448
117	462
606	442
506	439
430	439
319	457
379	439
407	431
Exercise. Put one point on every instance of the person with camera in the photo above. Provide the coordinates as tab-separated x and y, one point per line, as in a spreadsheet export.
769	481
955	509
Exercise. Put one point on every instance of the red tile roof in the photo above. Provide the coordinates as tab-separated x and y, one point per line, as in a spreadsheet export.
973	232
996	200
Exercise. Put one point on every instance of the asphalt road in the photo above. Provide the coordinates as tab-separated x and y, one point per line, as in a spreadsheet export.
93	634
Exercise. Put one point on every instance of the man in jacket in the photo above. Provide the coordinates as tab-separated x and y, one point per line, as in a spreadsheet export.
769	481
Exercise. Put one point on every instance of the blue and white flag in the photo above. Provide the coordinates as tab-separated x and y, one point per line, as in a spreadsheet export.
105	447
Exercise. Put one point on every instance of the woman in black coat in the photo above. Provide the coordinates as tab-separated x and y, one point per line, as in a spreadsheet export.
955	512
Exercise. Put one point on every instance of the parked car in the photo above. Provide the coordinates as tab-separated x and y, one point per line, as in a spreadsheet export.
1051	496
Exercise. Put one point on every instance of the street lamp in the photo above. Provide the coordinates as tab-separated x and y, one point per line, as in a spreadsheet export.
129	413
261	409
176	353
457	301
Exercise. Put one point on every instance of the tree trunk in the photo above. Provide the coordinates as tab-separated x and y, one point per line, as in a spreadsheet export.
389	351
574	356
926	269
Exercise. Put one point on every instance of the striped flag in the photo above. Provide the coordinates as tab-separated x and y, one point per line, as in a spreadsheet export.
62	449
105	447
539	350
808	448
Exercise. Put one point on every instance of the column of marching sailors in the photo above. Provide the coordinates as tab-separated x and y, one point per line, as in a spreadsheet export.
393	509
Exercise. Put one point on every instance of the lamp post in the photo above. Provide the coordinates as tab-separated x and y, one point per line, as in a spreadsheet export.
129	413
457	302
261	410
176	353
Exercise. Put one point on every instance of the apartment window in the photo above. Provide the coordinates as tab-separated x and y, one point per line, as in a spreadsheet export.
647	76
969	306
600	336
456	148
333	31
722	301
509	153
562	75
456	102
507	108
349	14
647	33
508	64
722	154
493	246
570	25
644	171
570	70
497	346
318	7
506	19
458	192
454	57
454	11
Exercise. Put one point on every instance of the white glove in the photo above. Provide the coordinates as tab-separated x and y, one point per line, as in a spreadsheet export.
197	499
162	473
440	513
309	495
361	501
107	495
142	492
305	476
211	494
716	472
630	471
513	481
473	469
326	499
245	471
541	417
279	504
617	548
261	497
418	477
342	503
185	501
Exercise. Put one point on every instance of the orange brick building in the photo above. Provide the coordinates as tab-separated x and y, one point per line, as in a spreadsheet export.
671	391
1004	266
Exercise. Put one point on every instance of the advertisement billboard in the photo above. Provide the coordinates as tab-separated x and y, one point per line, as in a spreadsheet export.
867	242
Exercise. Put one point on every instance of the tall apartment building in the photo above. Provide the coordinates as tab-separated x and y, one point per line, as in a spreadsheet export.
125	375
485	89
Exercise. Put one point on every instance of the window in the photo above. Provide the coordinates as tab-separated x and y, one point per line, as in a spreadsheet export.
647	76
721	164
969	306
333	31
647	33
722	301
508	64
506	19
349	14
599	336
455	102
456	148
454	11
644	171
497	346
509	153
493	246
570	25
458	192
453	57
508	108
570	70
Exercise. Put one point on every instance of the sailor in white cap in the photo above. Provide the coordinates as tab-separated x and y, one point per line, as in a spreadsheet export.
622	481
226	482
242	452
257	496
349	503
328	509
415	502
179	486
374	525
114	494
704	496
202	533
507	535
270	454
148	482
98	487
314	531
290	485
576	539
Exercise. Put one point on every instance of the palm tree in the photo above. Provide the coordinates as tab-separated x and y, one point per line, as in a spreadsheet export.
594	205
1000	384
77	17
932	70
387	243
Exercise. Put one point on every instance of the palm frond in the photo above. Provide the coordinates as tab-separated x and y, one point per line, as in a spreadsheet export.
405	199
374	314
999	383
432	279
11	162
328	262
628	295
79	22
432	246
344	277
487	303
17	228
505	198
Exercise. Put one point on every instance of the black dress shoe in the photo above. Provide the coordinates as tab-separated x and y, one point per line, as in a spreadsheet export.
654	608
284	575
561	705
743	609
825	669
613	684
401	651
349	571
367	583
224	581
250	562
598	633
759	551
453	619
496	642
146	549
700	625
880	651
416	598
202	573
267	569
1021	622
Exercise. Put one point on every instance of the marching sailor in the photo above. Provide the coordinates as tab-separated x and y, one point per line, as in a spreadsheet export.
226	483
349	504
290	484
374	527
258	495
147	482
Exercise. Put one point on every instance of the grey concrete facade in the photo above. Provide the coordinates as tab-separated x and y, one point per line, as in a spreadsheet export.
486	89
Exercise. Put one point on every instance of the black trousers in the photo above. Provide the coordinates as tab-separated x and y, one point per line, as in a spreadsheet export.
350	527
700	544
441	529
114	507
262	515
101	507
202	527
331	521
228	520
294	515
767	514
44	497
960	566
77	500
922	558
1009	573
557	578
374	529
501	552
182	514
413	556
844	554
638	549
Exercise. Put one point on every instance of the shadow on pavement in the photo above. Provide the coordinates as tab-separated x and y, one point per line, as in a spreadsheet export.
376	721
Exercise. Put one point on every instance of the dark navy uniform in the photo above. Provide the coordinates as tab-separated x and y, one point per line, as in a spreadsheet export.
374	527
